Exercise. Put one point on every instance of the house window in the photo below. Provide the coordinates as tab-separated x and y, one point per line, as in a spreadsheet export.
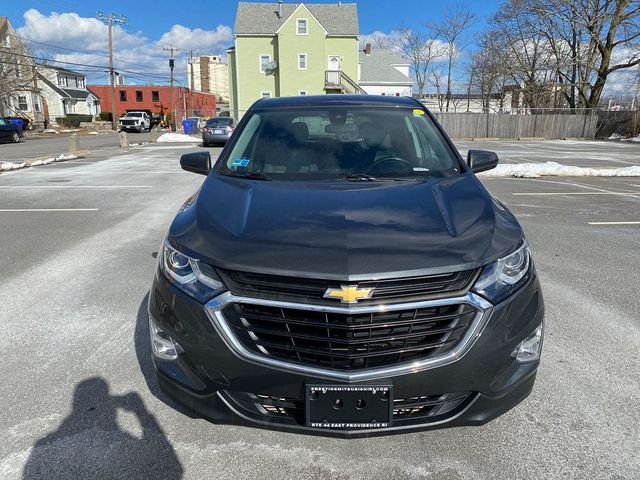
302	92
22	103
5	42
302	61
62	81
123	95
264	60
301	26
79	82
139	97
18	70
155	96
265	94
36	105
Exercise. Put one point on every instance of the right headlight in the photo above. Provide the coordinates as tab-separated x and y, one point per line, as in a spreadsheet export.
194	278
503	277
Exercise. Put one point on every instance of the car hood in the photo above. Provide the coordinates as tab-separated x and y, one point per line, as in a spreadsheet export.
345	230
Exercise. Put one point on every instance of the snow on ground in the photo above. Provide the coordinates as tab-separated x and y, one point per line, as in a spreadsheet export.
4	166
535	170
634	139
176	137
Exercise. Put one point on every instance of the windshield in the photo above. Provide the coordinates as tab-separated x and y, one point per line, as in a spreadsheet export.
134	114
220	122
331	143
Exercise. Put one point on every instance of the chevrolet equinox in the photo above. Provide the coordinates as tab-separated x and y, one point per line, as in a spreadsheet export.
343	271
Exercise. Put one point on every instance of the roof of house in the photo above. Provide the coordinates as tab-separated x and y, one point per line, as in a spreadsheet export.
377	67
64	92
4	21
59	69
262	18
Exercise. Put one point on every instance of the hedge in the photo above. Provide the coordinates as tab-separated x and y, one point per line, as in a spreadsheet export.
105	116
73	120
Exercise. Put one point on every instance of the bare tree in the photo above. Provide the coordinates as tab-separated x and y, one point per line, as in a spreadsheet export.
419	49
453	30
487	72
436	77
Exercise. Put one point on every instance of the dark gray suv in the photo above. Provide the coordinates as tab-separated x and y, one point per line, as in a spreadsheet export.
342	271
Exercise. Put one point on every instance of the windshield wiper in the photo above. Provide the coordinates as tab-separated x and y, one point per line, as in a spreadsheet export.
250	176
359	177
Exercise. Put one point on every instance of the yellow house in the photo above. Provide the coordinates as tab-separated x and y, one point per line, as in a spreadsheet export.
285	49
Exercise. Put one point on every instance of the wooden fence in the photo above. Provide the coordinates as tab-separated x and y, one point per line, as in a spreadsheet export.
498	125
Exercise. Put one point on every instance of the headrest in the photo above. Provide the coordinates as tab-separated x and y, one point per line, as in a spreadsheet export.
300	131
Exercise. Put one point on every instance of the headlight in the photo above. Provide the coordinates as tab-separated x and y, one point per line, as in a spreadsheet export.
196	279
504	276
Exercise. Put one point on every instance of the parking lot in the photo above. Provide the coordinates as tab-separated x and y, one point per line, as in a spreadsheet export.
79	241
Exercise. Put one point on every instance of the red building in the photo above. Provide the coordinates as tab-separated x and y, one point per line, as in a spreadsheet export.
157	99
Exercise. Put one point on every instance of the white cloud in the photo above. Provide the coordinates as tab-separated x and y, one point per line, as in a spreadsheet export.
139	58
199	40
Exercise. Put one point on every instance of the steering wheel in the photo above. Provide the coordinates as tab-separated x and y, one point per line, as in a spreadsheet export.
391	164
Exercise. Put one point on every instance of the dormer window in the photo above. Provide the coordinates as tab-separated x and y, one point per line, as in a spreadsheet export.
62	81
302	27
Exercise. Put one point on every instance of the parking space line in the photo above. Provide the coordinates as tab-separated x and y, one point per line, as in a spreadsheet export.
72	186
615	223
20	210
626	194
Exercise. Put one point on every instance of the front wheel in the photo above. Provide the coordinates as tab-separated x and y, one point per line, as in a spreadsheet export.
15	137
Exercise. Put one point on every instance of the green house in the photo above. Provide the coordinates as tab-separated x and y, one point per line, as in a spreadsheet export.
285	49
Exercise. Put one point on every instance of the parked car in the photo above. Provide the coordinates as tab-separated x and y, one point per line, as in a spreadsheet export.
217	131
343	270
10	131
135	121
199	122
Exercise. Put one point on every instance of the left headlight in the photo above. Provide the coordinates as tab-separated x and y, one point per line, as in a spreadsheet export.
505	276
195	278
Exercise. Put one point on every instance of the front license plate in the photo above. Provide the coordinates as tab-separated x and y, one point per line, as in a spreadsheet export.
217	132
349	406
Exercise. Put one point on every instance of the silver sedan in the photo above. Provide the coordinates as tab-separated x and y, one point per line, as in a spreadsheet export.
217	131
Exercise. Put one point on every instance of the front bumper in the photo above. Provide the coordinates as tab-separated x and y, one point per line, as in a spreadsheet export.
215	382
132	128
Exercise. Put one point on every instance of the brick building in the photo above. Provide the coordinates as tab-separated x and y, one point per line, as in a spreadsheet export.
157	99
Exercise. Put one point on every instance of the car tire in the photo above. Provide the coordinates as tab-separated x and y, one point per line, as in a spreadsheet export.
15	137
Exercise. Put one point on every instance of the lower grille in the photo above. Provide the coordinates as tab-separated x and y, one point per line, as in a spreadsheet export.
409	408
349	341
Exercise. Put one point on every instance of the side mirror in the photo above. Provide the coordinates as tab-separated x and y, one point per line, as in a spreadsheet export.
481	160
198	162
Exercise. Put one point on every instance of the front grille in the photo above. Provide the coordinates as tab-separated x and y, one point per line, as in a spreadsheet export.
349	341
128	122
306	290
408	408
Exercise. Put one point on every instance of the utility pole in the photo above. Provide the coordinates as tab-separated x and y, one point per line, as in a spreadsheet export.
191	84
172	106
110	20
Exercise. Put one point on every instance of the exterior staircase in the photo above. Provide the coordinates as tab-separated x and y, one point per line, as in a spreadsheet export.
336	81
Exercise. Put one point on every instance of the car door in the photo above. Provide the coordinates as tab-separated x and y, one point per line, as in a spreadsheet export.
5	129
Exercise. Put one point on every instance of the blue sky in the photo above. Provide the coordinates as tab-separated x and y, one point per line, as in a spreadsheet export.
68	31
381	15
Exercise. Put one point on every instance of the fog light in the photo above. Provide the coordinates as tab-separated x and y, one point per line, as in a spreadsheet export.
530	348
162	345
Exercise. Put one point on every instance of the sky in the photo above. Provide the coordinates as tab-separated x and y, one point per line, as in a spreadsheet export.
68	31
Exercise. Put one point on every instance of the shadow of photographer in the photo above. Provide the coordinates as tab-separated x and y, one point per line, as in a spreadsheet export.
91	444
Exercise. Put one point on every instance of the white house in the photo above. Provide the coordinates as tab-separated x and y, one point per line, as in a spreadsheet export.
19	89
65	92
384	72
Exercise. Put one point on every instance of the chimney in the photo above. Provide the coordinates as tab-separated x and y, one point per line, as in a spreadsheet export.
367	49
280	2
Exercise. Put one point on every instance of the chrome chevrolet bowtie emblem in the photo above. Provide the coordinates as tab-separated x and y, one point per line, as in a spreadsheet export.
349	293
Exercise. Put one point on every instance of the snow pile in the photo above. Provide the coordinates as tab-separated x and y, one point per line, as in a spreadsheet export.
176	137
616	136
634	139
50	130
47	161
535	170
93	133
65	157
4	166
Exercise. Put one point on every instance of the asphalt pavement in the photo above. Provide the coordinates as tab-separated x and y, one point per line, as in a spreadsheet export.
78	393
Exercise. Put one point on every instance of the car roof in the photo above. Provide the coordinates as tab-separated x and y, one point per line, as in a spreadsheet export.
337	100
